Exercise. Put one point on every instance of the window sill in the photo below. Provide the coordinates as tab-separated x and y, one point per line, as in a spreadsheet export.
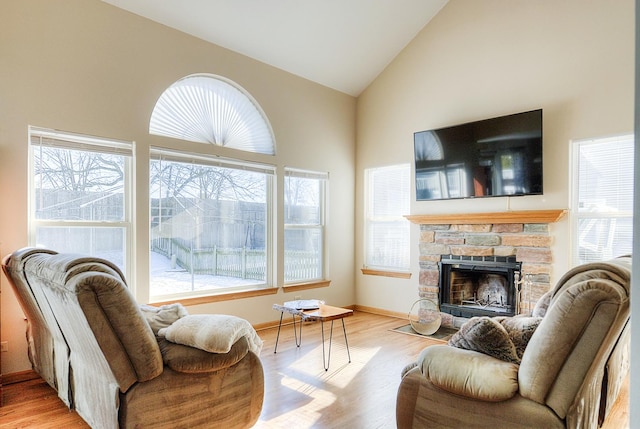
293	287
220	297
395	274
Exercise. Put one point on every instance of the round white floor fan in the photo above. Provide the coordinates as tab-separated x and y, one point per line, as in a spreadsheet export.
424	317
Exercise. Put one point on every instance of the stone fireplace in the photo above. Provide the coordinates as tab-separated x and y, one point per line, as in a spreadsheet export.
479	285
521	240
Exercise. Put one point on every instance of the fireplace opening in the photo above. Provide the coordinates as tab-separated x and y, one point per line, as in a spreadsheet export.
479	286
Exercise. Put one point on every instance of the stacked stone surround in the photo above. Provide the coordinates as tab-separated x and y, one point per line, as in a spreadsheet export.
529	243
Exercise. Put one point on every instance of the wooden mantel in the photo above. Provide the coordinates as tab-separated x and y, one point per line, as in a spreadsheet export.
522	216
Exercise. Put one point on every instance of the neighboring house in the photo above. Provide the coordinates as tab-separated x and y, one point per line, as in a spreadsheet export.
87	67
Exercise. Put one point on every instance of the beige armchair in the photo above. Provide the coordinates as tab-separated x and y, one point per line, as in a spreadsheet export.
569	376
114	369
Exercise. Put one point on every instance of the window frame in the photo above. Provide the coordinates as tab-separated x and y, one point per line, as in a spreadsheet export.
75	141
371	218
155	153
323	183
576	214
241	152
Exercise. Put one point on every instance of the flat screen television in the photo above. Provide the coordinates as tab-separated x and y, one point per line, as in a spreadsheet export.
488	158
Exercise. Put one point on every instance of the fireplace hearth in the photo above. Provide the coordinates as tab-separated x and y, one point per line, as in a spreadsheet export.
479	285
522	236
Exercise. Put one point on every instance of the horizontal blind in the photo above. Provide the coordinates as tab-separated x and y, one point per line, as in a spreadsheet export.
603	198
294	172
605	175
389	188
161	154
66	140
387	231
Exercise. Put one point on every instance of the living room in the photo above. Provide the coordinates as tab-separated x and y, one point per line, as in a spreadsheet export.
101	75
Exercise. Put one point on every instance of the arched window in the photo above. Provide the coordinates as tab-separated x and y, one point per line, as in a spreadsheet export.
205	108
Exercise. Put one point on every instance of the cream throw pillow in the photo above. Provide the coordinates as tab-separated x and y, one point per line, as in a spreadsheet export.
215	333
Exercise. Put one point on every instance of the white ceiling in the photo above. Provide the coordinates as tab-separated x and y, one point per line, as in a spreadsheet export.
342	44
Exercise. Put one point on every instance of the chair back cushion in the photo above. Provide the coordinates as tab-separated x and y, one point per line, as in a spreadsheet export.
98	315
588	311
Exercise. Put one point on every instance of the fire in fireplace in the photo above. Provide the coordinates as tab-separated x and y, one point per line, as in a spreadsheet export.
479	285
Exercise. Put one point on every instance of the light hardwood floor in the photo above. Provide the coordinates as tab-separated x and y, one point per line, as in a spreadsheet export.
298	391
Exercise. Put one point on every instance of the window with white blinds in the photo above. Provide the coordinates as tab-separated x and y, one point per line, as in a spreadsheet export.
80	195
386	229
602	198
206	108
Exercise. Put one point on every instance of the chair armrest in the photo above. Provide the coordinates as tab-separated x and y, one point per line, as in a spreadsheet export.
192	360
469	373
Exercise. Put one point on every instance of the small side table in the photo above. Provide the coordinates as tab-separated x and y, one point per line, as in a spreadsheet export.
324	313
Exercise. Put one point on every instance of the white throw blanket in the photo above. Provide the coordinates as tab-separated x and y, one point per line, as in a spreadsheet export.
163	316
215	333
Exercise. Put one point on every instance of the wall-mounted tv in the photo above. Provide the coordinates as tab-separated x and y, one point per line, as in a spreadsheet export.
489	158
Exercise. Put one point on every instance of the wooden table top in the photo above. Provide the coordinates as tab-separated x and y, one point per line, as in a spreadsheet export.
326	312
323	313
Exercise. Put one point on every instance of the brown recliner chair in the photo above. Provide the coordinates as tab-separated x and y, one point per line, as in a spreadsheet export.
569	375
47	348
120	374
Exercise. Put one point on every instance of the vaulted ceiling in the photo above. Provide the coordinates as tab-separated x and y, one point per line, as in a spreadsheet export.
342	44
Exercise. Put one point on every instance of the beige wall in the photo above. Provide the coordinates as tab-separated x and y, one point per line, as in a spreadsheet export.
481	59
87	67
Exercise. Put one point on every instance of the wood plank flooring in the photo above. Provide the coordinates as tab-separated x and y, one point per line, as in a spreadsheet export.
298	391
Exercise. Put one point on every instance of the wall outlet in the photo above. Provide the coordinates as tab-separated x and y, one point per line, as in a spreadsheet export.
297	297
4	346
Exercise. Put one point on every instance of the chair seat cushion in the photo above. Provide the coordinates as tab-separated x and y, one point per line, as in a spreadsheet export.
474	375
187	359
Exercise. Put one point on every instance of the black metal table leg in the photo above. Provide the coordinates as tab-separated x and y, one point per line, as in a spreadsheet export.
345	340
278	335
297	335
326	358
326	361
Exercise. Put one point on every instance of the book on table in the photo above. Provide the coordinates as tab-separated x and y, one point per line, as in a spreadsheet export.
304	304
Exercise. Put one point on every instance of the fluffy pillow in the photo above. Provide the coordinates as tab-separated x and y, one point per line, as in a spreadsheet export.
163	316
504	338
485	335
520	330
215	333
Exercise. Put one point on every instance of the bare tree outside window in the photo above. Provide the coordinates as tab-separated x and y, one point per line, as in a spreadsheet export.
79	195
208	227
77	184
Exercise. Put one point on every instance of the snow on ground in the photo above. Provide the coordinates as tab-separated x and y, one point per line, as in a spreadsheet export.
167	280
